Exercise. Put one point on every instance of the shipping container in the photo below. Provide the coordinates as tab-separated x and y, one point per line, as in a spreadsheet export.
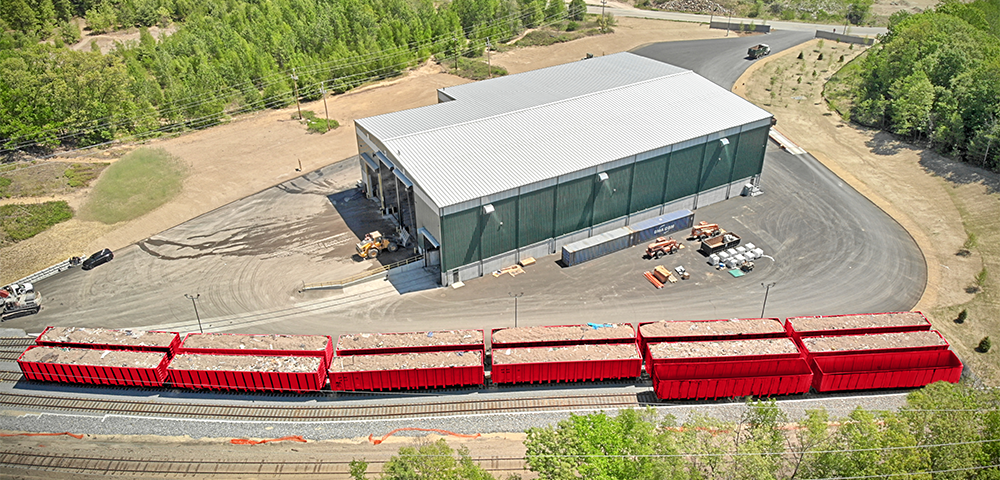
892	370
557	335
940	344
890	322
703	380
253	381
697	330
411	342
94	374
661	226
596	246
230	343
581	369
471	373
135	340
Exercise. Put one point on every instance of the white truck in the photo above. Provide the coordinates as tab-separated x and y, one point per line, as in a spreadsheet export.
19	300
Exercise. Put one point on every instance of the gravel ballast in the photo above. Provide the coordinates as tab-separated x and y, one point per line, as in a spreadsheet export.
806	324
245	363
562	333
103	336
87	356
873	342
713	327
723	348
358	341
575	353
406	361
255	342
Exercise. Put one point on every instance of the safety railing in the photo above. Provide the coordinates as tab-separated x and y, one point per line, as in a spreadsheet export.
361	276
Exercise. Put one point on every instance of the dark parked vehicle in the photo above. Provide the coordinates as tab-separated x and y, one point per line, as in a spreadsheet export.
102	257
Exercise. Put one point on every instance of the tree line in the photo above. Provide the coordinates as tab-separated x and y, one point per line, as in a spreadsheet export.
227	57
944	432
935	76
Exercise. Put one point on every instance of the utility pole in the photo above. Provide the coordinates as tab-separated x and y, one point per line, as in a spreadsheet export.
193	298
489	66
457	54
322	90
711	16
729	22
515	296
604	3
767	289
295	82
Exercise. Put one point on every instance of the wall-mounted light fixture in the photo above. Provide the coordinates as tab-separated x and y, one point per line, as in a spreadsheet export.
724	142
602	176
488	209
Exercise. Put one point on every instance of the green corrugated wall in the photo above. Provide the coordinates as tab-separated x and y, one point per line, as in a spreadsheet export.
500	228
718	163
648	183
536	215
750	154
682	176
612	195
574	205
469	236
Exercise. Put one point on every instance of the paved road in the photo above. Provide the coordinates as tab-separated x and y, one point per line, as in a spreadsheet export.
834	253
775	24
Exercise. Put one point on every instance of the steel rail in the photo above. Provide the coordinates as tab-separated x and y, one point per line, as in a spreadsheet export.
256	468
312	412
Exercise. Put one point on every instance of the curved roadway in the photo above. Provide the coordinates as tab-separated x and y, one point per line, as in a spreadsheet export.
833	251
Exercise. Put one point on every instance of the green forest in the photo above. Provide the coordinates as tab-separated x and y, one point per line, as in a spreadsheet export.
227	57
944	432
935	77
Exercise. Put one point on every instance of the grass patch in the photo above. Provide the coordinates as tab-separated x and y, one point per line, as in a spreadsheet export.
473	69
839	90
135	185
79	175
559	33
20	222
317	125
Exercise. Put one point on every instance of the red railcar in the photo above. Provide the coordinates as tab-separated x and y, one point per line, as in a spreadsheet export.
697	370
705	330
575	363
236	344
407	371
278	379
97	370
892	370
562	335
868	323
134	340
411	342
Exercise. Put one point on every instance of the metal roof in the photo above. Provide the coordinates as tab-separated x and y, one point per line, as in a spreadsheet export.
512	131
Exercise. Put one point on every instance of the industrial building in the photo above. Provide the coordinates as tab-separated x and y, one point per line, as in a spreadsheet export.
518	166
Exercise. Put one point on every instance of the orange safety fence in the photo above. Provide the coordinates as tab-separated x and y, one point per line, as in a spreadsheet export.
446	432
74	435
247	441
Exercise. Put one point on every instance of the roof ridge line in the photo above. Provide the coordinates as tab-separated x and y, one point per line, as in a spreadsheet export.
556	102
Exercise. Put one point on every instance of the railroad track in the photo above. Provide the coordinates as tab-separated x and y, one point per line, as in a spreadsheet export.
123	465
315	412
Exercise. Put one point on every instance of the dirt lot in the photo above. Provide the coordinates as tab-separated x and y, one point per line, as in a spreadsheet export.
938	201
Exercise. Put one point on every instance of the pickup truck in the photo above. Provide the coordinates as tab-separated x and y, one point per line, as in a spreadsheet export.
721	242
758	51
